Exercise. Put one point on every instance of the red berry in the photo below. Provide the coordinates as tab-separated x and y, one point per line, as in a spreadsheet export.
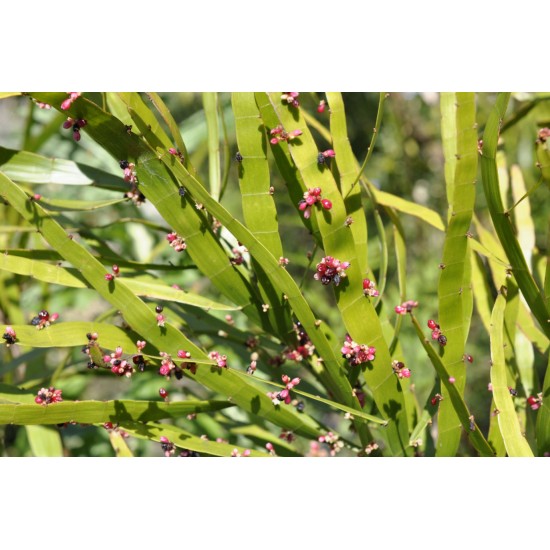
44	315
116	269
434	401
163	393
108	277
327	205
531	400
432	324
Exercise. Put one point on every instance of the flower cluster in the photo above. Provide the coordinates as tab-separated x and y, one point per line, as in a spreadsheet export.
304	348
167	446
323	156
9	336
406	307
333	441
535	402
176	153
176	242
73	96
238	254
119	366
128	168
284	395
279	134
357	353
291	98
311	197
45	396
330	269
436	333
369	288
400	369
76	125
436	399
44	319
221	360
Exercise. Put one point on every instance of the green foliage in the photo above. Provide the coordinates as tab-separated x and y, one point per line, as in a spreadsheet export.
236	313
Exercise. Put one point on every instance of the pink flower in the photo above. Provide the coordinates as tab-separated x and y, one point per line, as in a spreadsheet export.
406	307
330	269
47	396
220	359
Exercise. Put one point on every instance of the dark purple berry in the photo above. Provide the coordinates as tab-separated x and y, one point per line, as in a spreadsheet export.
238	157
124	164
442	339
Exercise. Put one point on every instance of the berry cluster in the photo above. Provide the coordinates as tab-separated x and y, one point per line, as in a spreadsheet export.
356	353
330	269
400	369
279	135
120	367
284	395
167	446
44	319
76	125
9	336
436	333
176	242
311	197
291	98
111	276
45	396
369	288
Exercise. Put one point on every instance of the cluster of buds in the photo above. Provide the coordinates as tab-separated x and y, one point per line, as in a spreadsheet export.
304	348
221	360
436	399
119	366
323	156
333	441
400	369
176	242
45	396
406	307
115	273
535	402
330	269
161	319
44	319
9	336
311	197
322	106
437	335
357	353
371	447
176	153
279	134
76	125
238	254
284	395
73	96
42	105
128	168
167	446
287	436
369	288
291	98
236	453
167	366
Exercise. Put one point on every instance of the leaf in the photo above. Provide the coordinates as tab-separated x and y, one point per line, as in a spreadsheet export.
514	440
99	412
455	304
210	102
503	226
464	416
185	440
21	166
44	441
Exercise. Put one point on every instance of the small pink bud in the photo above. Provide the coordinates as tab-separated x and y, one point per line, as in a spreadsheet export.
108	277
452	379
164	439
327	205
321	106
295	381
172	151
66	104
107	358
183	354
37	196
246	452
54	317
163	393
76	135
269	447
116	269
329	153
273	141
